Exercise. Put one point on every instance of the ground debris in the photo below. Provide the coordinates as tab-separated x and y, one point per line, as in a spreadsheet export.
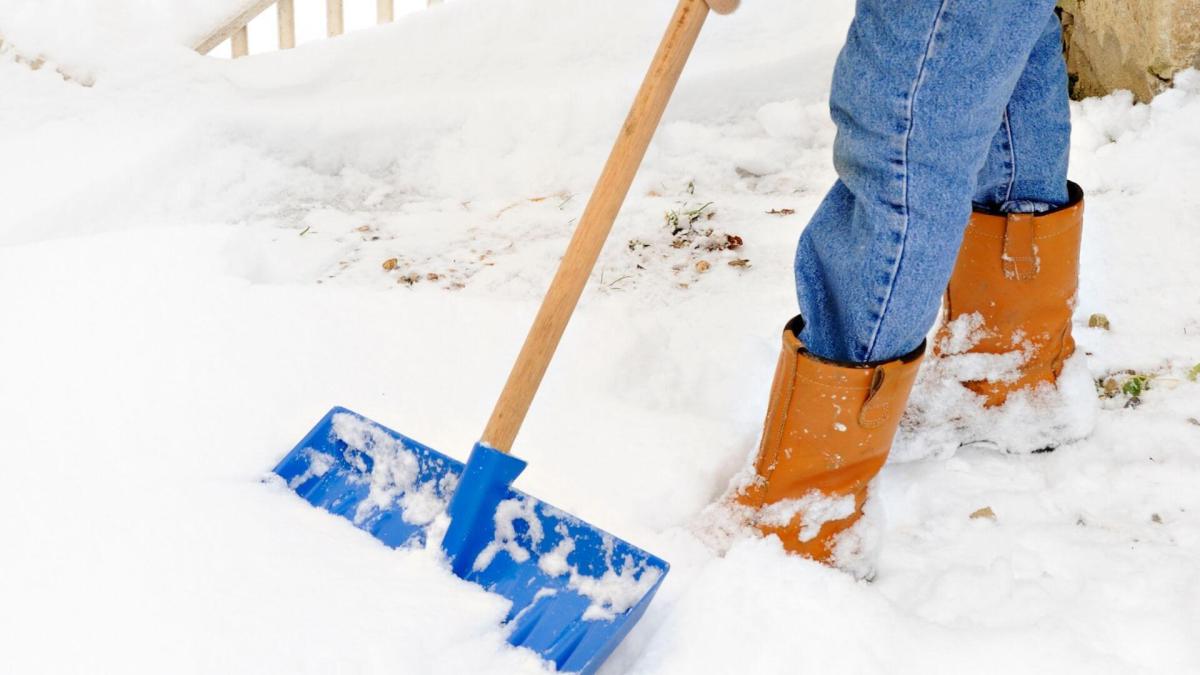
689	244
984	513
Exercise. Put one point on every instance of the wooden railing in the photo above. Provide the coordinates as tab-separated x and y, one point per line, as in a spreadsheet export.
235	29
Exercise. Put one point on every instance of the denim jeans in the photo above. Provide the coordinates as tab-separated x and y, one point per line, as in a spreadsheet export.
938	104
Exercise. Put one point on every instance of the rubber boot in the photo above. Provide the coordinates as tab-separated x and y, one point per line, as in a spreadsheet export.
828	431
1015	283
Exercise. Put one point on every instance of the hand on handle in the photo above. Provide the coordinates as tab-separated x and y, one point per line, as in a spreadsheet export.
724	6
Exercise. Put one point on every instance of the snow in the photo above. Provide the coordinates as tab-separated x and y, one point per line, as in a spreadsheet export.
507	513
393	469
393	473
555	563
619	588
94	37
943	415
815	509
614	592
319	465
192	272
90	38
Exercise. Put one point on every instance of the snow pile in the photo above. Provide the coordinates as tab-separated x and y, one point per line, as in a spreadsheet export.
204	245
944	415
115	33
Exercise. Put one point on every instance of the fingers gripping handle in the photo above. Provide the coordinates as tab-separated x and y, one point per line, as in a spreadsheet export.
597	221
724	6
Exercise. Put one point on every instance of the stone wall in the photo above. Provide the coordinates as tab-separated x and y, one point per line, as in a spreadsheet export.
1137	45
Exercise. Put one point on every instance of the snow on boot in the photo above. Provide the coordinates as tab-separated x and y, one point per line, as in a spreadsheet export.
1006	343
827	433
1012	295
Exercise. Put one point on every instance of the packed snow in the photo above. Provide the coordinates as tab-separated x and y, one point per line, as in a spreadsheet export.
615	591
508	512
621	585
393	472
814	508
198	257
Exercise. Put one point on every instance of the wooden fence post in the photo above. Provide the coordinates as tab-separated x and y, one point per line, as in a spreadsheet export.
334	18
239	42
232	25
287	24
235	29
385	11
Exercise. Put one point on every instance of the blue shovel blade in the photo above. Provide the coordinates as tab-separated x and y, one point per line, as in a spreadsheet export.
576	590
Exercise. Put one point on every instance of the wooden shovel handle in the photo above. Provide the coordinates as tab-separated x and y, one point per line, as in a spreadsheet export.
597	222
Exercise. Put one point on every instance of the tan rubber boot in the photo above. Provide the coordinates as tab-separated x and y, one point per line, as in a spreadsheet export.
828	431
1015	282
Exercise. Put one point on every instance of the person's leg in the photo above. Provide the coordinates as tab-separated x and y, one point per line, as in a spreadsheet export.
919	90
1026	169
1012	291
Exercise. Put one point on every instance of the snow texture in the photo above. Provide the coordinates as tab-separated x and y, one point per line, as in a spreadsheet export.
192	271
611	593
814	509
614	592
508	512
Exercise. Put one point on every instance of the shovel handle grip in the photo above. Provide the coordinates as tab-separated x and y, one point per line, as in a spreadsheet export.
596	223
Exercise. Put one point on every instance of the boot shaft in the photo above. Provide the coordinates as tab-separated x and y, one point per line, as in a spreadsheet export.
828	431
1015	279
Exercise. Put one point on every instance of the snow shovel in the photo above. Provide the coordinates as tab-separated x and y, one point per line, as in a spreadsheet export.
576	590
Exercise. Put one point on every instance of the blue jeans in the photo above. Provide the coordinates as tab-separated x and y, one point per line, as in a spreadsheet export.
938	104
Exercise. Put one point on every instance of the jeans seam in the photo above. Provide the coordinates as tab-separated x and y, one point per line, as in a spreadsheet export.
1012	157
912	101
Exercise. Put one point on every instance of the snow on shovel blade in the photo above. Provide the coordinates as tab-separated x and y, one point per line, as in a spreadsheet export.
575	590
